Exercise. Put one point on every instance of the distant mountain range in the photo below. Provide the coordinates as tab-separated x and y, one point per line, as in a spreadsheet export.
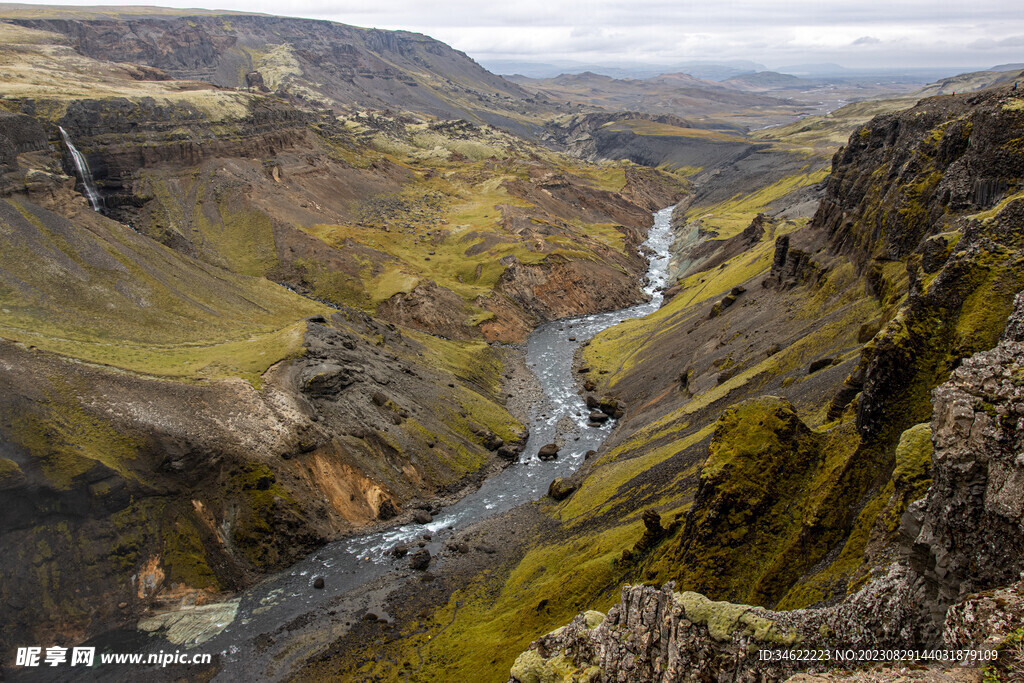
713	71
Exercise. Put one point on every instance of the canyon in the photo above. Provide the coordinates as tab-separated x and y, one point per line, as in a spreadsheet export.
279	369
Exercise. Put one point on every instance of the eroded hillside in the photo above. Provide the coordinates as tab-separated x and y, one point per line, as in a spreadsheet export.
775	420
275	330
784	413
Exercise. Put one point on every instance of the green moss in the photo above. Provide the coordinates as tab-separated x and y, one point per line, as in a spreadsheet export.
530	667
730	217
611	479
133	304
8	469
184	556
473	362
724	619
261	500
65	440
484	627
914	460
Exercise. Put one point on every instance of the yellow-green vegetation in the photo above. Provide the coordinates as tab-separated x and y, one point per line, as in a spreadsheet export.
1009	666
724	619
756	487
911	475
67	440
821	135
464	259
185	557
530	667
614	477
730	217
131	303
253	532
8	469
473	361
42	66
646	127
223	228
482	629
449	225
838	300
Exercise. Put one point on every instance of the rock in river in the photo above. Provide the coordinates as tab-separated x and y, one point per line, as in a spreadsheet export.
548	452
422	517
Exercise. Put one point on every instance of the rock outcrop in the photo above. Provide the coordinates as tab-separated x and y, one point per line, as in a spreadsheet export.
955	583
902	176
970	524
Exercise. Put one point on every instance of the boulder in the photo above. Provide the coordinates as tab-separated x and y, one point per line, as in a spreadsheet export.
819	364
318	583
324	380
508	453
598	416
386	510
548	452
420	560
560	489
422	517
492	441
400	551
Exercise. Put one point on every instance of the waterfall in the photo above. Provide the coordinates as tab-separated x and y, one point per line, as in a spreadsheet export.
82	168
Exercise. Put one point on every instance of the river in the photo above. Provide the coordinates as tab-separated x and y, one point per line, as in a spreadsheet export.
364	562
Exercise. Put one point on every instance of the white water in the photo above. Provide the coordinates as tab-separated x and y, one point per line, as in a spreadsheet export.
92	193
300	616
550	355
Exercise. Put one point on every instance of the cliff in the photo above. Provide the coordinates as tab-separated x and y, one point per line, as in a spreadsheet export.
800	500
955	584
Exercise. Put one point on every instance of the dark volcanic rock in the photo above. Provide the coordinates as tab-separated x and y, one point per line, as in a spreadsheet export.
508	453
386	510
560	489
548	452
422	517
324	380
420	560
818	364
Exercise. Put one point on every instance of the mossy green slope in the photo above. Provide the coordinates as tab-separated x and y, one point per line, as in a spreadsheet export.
130	303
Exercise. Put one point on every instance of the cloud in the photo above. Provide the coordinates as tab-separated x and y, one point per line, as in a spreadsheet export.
989	44
908	32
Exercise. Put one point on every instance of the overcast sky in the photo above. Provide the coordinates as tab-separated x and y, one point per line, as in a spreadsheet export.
853	33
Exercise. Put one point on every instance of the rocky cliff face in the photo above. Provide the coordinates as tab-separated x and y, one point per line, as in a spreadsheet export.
175	423
670	140
954	586
172	430
946	299
906	176
848	537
